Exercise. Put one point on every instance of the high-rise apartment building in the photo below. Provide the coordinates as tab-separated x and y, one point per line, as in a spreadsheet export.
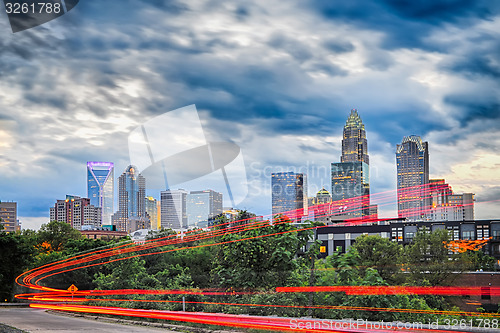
202	206
78	212
447	206
351	178
412	159
173	209
100	187
8	216
131	198
289	194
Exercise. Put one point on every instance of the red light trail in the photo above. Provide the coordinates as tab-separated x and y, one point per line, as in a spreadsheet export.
32	279
242	321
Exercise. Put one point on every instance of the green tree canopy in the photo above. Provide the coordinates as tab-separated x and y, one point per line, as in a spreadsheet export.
57	234
429	262
379	253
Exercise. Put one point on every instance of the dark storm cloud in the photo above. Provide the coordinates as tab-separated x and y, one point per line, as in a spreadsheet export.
269	88
489	194
47	99
411	118
170	6
477	65
407	23
338	46
253	89
474	108
329	69
379	61
242	13
293	47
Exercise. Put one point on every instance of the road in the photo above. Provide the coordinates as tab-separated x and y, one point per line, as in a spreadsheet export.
40	321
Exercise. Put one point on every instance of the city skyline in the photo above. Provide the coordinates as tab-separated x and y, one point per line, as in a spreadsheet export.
277	86
353	122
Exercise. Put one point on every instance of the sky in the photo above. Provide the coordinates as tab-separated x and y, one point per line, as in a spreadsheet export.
278	80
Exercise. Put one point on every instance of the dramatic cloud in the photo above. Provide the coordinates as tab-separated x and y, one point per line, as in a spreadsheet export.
278	80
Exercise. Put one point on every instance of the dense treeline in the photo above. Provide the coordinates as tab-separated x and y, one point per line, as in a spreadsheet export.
249	265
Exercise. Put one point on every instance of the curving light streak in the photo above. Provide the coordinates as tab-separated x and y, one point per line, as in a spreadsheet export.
242	321
33	278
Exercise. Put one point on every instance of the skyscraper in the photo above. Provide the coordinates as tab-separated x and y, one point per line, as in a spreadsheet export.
412	159
131	198
351	177
354	144
289	194
201	206
173	209
100	187
351	188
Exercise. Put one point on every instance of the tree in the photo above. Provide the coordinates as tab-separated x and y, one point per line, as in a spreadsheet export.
477	260
379	253
429	262
56	234
252	259
16	251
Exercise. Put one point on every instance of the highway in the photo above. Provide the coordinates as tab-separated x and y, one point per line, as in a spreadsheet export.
40	321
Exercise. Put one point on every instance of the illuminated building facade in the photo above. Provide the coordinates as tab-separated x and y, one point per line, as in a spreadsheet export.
351	177
152	211
202	206
354	144
351	188
173	209
100	187
131	198
412	159
289	194
320	205
8	216
78	212
447	206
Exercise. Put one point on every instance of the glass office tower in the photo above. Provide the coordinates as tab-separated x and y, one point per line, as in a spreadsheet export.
289	194
354	144
412	158
351	188
201	206
173	209
131	198
100	187
351	178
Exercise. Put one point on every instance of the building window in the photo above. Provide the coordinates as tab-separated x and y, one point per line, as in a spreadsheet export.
468	235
